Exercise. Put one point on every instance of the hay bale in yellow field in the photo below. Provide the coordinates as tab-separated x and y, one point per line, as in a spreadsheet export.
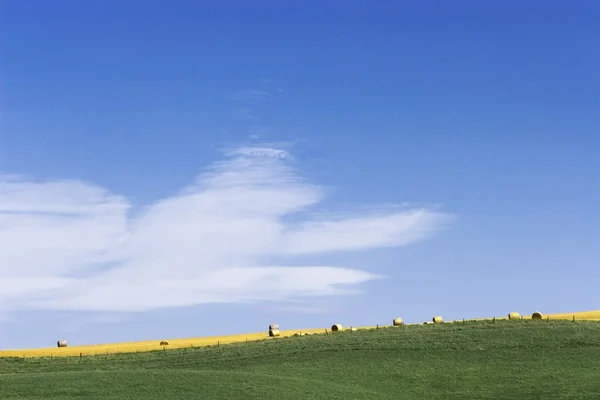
274	333
61	343
438	319
164	343
427	322
336	327
514	315
537	315
398	322
273	326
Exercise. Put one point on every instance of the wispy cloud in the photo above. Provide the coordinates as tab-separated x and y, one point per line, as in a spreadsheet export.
248	101
71	245
251	97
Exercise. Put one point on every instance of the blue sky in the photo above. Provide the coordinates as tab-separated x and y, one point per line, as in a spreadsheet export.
183	169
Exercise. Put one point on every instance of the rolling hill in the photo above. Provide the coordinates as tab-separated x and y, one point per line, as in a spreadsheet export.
150	345
487	359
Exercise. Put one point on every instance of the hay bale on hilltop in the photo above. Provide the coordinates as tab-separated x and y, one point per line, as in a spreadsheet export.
164	343
61	343
537	315
274	333
438	319
336	328
514	315
274	330
398	322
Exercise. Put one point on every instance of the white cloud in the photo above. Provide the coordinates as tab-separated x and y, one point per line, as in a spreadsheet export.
396	229
70	245
250	96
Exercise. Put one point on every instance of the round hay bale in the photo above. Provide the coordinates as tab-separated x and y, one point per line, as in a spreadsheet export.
514	315
274	333
537	315
61	343
438	319
336	328
164	343
273	326
398	322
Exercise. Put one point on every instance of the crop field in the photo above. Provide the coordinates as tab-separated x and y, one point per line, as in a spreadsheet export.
134	347
487	359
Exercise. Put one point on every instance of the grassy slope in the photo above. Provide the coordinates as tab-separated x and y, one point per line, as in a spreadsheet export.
477	360
150	345
147	345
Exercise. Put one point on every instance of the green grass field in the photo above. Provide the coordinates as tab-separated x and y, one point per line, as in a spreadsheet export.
476	360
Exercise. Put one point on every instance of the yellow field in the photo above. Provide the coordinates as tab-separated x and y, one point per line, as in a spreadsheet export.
579	316
129	347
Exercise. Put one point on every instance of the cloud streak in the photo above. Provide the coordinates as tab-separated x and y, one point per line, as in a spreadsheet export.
248	101
71	245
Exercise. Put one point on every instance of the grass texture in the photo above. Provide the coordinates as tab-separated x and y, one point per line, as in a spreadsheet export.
150	345
524	359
